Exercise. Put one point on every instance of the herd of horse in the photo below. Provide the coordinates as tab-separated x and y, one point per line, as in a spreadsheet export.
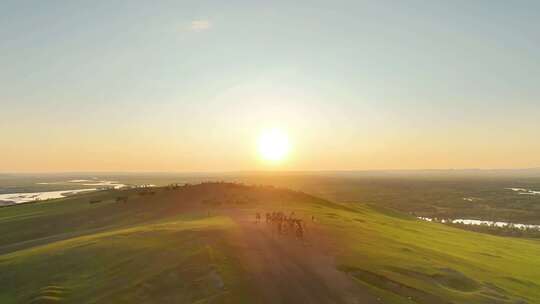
284	224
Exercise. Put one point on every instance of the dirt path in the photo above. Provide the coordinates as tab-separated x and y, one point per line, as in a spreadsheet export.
288	270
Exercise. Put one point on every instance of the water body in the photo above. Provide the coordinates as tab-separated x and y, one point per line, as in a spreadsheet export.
481	222
88	182
105	184
18	198
524	191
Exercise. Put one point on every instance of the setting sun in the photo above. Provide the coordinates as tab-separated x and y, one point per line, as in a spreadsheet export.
273	145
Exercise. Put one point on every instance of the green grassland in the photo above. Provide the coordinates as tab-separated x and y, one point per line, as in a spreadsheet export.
440	196
433	263
428	196
172	246
140	251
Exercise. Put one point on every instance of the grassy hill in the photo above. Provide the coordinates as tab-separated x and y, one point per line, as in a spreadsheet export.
201	244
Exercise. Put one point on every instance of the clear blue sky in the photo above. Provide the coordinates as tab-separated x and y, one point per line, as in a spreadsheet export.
188	85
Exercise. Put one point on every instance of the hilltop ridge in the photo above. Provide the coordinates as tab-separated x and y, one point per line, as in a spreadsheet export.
202	243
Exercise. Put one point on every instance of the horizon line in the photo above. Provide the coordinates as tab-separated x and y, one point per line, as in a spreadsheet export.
268	171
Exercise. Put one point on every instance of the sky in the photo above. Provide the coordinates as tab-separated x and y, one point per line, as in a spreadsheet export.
191	85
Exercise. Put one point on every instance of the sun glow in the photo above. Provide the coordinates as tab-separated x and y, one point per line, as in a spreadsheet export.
273	145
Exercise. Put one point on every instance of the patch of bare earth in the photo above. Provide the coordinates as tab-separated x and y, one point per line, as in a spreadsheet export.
286	269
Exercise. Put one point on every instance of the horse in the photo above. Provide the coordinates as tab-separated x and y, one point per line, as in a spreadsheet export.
258	217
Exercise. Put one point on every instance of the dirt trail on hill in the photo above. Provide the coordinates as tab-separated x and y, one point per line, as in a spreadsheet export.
285	269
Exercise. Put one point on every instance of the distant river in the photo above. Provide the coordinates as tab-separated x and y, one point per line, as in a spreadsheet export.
19	198
524	191
487	223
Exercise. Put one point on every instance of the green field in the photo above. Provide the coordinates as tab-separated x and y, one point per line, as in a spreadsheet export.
185	245
439	196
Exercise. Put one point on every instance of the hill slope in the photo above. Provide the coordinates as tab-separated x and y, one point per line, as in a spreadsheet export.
202	244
